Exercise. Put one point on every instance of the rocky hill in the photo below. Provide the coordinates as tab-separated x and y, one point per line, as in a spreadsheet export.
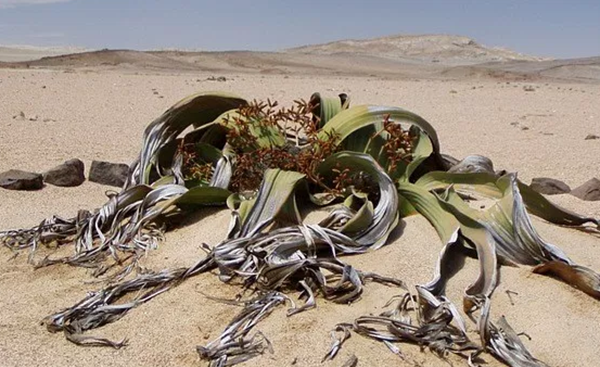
446	49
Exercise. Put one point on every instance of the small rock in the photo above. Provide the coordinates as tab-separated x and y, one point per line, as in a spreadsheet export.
529	88
155	92
106	173
217	79
473	164
20	116
453	91
524	128
549	186
351	362
592	137
21	180
34	118
589	191
69	173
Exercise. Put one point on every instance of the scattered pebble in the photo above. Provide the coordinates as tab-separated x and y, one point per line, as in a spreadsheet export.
217	79
20	116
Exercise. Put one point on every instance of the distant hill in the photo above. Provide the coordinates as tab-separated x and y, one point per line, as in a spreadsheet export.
446	49
28	53
429	56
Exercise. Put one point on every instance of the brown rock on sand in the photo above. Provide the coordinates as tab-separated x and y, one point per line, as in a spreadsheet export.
106	173
588	191
21	180
549	186
70	173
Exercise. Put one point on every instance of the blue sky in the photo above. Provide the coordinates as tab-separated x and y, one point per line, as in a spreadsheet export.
539	27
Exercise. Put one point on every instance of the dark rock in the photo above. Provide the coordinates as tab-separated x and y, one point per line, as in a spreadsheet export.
589	191
69	173
217	79
473	164
549	186
592	137
449	161
106	173
21	180
20	116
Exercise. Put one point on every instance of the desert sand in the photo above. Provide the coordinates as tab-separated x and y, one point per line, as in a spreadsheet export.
98	112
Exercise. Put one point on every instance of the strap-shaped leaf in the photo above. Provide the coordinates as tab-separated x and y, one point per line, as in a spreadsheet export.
428	206
327	107
197	109
355	118
276	189
385	214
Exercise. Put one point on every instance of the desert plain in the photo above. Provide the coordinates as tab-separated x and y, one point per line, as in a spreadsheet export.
529	116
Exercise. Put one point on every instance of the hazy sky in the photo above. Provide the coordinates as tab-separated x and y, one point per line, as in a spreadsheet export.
539	27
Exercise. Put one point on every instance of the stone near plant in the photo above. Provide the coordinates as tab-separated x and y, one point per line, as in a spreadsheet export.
473	164
69	173
588	191
15	179
549	186
106	173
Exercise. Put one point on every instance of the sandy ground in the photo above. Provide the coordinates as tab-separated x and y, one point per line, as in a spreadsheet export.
90	115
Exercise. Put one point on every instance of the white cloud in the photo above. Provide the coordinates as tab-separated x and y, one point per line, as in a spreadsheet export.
15	3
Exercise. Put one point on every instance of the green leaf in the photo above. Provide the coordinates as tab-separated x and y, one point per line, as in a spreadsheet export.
275	190
328	107
385	214
361	219
423	150
266	136
482	184
204	195
349	121
428	206
197	109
